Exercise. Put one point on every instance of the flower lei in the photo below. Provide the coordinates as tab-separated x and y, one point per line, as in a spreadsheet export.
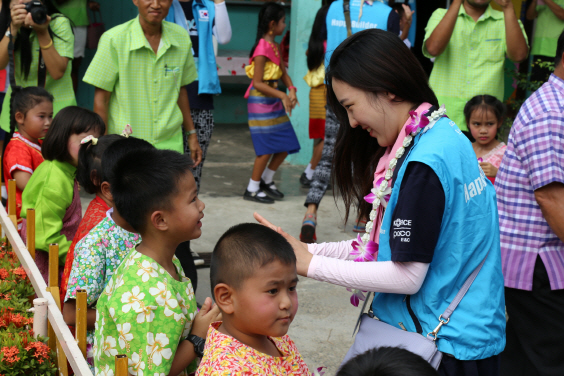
365	249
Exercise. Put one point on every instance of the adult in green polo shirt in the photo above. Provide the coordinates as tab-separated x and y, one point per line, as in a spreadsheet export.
54	39
550	25
138	71
469	42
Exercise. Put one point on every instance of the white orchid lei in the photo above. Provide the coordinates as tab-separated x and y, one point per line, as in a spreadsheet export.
364	249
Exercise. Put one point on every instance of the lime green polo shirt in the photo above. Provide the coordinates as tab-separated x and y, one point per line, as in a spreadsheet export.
472	63
50	192
61	89
549	27
144	86
75	10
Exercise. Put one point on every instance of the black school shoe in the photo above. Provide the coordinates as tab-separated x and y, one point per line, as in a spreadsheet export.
253	196
270	190
304	181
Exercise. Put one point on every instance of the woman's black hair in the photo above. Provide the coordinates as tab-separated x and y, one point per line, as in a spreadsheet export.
23	100
387	361
485	102
315	47
374	61
22	42
89	169
270	11
69	121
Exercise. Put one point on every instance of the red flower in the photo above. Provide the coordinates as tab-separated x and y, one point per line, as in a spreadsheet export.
10	354
233	73
19	271
229	58
3	273
41	350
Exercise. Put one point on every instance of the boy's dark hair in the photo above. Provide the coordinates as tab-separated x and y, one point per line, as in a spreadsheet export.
398	7
147	180
89	169
116	151
270	11
559	50
485	102
387	361
244	248
69	121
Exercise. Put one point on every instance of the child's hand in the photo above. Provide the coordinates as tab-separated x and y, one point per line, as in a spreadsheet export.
287	102
489	169
209	313
408	13
293	98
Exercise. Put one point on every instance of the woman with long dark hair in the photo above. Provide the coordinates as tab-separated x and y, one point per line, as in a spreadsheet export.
41	53
432	213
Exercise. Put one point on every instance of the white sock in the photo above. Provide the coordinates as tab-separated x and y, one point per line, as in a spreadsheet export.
254	186
268	175
309	172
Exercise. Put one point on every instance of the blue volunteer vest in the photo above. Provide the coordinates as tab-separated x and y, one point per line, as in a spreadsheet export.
374	16
204	15
469	229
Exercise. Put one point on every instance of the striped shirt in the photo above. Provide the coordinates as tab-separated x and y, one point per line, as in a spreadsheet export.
533	159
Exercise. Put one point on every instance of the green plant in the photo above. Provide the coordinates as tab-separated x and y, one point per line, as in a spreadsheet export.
20	352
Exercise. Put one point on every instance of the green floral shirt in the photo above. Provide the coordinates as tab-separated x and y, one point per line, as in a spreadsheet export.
96	258
143	313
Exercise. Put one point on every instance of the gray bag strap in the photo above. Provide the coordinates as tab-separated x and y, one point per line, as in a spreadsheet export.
445	317
347	11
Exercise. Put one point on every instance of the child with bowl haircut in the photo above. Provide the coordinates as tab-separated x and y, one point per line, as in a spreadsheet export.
253	278
148	308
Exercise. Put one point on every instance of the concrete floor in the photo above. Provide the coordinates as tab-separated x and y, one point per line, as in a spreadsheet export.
322	329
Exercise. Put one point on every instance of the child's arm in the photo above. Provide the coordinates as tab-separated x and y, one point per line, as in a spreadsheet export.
408	20
185	352
258	83
21	178
288	82
69	314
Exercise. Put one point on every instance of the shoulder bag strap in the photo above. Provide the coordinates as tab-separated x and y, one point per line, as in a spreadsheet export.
41	71
445	317
347	11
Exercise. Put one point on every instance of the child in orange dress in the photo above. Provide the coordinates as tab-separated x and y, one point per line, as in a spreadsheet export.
254	278
31	114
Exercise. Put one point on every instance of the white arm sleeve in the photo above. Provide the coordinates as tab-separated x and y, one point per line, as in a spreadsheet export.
222	27
338	250
385	276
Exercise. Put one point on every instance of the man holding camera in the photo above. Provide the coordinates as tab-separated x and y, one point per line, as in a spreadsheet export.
33	22
469	42
138	71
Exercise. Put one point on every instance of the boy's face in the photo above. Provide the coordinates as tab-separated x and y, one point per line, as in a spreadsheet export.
266	303
186	211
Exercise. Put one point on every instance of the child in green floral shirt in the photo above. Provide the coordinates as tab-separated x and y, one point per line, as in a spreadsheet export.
101	251
148	308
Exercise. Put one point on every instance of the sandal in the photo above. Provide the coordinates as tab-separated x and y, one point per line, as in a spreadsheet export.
307	235
360	226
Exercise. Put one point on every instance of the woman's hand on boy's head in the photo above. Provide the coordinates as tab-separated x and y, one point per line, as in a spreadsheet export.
303	257
209	313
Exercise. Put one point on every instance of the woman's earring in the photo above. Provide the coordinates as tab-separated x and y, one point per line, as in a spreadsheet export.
270	32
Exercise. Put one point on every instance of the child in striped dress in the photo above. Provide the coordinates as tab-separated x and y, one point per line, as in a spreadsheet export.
271	130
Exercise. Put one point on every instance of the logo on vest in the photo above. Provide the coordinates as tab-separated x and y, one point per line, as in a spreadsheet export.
402	228
354	24
476	187
204	15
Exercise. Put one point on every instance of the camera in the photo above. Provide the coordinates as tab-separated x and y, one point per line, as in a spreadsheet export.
38	12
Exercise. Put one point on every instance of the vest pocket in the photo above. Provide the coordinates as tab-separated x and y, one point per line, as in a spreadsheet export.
416	322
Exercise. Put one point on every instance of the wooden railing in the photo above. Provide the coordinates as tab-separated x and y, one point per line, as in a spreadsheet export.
49	322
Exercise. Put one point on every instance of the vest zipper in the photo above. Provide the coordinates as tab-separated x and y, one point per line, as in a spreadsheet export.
418	327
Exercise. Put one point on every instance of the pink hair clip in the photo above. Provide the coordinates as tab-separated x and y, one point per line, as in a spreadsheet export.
127	131
88	139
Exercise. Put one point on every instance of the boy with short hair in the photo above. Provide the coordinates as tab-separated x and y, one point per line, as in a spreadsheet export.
148	307
253	278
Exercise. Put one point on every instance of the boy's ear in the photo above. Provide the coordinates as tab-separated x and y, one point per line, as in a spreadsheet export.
224	298
94	178
19	117
158	221
105	190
